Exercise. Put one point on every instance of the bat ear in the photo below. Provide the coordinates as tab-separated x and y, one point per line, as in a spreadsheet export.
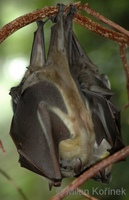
38	57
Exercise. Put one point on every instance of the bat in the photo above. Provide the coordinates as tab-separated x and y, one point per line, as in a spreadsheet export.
97	93
57	111
47	118
105	116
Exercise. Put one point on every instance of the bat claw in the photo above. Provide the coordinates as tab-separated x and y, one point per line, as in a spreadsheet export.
55	184
50	185
15	93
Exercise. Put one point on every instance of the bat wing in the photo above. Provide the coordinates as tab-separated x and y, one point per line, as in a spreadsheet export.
106	120
86	72
37	131
38	57
95	87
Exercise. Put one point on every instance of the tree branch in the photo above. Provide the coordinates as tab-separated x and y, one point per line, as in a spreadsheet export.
100	17
126	68
84	21
101	30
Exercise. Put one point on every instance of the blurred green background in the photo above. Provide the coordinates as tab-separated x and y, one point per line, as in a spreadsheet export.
14	58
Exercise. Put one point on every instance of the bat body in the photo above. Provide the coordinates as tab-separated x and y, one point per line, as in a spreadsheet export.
60	125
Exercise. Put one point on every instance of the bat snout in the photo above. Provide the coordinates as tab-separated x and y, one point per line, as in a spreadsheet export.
104	176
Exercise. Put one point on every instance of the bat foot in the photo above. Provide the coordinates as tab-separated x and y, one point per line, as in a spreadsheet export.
61	8
41	23
72	10
69	18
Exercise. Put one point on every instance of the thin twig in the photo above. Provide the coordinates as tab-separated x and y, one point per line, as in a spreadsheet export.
14	184
99	29
100	17
126	67
120	155
2	147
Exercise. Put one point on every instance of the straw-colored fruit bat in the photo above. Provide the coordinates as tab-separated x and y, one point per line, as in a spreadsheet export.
64	121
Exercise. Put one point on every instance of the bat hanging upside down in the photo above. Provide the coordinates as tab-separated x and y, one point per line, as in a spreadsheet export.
64	121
